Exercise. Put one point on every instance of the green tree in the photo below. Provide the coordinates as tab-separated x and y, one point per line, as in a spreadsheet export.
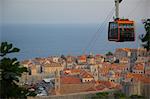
136	97
120	95
63	57
109	54
101	95
11	71
146	38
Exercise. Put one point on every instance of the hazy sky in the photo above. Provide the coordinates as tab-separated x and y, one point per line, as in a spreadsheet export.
19	15
69	11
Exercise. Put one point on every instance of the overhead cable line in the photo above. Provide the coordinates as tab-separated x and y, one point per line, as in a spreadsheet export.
94	38
101	30
135	8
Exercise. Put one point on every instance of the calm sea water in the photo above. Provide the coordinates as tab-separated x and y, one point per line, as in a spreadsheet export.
42	40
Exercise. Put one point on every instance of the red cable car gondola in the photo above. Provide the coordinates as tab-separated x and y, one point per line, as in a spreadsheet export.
121	30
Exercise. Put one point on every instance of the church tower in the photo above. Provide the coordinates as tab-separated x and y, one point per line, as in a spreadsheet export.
57	82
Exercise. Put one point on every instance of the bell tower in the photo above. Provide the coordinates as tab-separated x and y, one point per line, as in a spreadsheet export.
57	82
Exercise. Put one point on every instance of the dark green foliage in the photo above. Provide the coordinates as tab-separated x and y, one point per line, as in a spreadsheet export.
146	38
11	69
120	95
63	57
6	48
32	93
10	73
136	97
101	95
109	54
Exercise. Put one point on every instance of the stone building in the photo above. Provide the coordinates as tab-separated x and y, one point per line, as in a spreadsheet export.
94	69
132	88
126	52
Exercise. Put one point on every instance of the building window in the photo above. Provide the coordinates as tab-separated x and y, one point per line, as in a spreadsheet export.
30	72
39	69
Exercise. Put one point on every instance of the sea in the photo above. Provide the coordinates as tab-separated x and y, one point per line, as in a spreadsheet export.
44	40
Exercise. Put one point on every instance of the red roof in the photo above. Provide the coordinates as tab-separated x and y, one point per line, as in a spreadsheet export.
107	84
139	77
85	74
96	88
139	67
83	57
72	71
70	80
75	70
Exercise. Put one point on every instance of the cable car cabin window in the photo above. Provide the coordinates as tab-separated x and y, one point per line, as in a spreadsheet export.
126	32
113	31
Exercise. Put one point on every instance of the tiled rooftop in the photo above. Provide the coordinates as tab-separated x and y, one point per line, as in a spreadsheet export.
70	80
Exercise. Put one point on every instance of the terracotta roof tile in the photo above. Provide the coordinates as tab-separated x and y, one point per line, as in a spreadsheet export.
139	77
139	67
85	74
70	80
82	57
76	70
